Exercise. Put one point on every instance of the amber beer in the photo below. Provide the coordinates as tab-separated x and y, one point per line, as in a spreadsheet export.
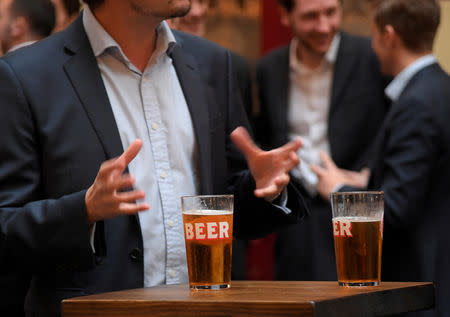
357	242
208	235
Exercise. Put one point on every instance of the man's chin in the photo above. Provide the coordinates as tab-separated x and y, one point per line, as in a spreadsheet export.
179	11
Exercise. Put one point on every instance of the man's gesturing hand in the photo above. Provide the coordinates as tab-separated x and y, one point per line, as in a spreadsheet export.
269	169
104	199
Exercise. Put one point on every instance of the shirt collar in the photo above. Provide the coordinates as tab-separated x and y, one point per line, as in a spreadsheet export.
16	47
101	41
398	84
330	56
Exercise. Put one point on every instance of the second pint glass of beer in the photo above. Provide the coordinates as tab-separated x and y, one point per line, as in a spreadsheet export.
208	232
358	235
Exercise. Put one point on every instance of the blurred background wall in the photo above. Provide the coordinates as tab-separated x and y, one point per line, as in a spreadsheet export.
442	45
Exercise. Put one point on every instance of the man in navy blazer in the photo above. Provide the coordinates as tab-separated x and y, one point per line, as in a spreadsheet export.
325	86
70	194
412	161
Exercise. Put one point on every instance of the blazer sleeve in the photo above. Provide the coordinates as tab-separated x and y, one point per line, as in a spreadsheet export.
37	232
254	217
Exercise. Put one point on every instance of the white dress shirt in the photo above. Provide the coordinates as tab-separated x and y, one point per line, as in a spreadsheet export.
150	105
308	107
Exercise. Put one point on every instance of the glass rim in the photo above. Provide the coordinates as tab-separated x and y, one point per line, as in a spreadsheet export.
208	196
357	193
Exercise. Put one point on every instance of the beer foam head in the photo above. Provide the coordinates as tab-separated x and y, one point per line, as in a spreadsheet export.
356	219
207	212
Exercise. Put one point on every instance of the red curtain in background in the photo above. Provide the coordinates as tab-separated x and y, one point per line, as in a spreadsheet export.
260	253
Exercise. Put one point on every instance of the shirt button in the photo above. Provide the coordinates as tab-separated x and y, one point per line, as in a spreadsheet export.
171	223
163	174
172	273
155	126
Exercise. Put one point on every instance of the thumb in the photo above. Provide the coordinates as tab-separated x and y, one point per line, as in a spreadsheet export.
320	171
243	141
327	160
365	171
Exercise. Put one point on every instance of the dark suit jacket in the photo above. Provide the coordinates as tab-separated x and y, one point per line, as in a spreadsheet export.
306	251
412	167
57	128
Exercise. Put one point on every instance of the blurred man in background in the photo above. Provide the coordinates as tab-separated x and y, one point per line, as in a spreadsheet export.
412	161
66	11
326	87
195	22
23	22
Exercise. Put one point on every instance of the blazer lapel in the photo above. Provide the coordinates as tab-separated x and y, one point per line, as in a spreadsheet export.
84	74
342	70
193	89
282	89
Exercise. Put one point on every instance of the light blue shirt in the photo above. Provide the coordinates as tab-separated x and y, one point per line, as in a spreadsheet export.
150	105
398	84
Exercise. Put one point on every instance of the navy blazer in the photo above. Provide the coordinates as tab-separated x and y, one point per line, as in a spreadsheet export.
412	166
57	128
305	251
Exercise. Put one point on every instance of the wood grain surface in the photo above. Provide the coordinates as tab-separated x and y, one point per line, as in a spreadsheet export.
254	298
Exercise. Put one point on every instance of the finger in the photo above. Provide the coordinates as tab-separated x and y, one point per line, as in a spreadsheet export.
125	181
269	191
293	145
131	208
292	161
282	181
132	151
116	166
365	171
320	171
327	161
243	141
130	197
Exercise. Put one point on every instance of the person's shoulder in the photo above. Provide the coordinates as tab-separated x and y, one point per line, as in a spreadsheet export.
430	81
274	58
197	45
279	53
40	54
356	42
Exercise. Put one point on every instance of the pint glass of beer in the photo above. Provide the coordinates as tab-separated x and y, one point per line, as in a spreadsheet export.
208	232
358	234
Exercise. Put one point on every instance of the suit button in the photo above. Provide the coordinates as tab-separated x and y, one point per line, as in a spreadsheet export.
135	255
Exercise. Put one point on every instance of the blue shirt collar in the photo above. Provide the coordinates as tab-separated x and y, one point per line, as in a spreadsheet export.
101	41
398	84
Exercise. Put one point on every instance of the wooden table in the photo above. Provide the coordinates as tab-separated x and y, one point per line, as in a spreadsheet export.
249	298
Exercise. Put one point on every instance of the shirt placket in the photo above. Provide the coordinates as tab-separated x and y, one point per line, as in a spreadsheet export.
158	140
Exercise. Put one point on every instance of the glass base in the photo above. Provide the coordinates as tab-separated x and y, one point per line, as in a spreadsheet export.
351	284
213	287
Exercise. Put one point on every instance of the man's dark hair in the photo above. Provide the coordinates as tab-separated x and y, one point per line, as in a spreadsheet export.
93	3
289	4
72	6
415	21
40	15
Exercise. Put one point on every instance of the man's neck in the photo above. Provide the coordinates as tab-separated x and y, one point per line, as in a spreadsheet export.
135	34
308	57
405	58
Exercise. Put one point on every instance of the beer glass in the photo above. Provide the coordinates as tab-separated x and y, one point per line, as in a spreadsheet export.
358	234
208	232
